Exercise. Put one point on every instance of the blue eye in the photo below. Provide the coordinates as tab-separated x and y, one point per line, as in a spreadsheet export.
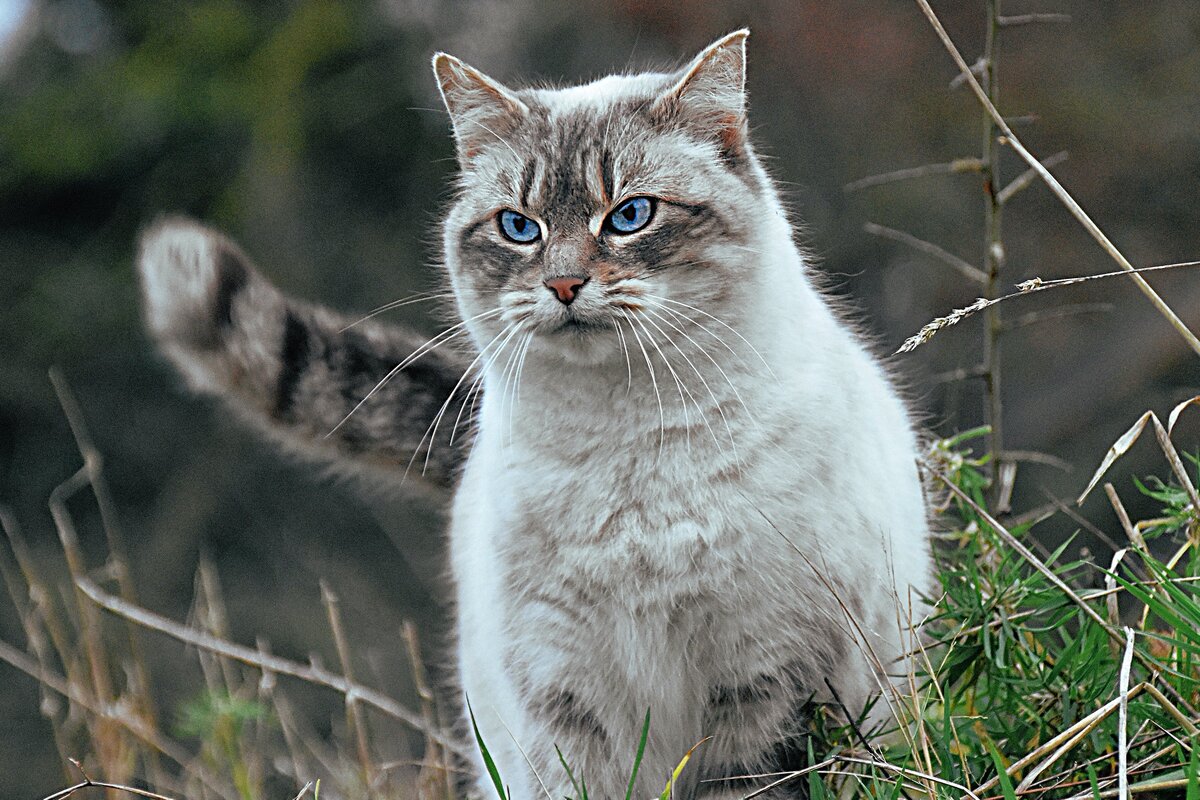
518	227
632	215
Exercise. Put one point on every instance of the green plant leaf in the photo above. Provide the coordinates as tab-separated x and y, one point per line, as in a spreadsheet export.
637	760
487	757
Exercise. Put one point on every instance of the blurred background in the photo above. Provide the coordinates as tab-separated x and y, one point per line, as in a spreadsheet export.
312	133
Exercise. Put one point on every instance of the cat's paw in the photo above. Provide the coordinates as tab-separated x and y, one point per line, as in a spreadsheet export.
190	276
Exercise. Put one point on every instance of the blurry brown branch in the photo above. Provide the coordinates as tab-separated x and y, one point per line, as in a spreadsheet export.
57	683
354	714
1061	312
929	248
1030	19
958	165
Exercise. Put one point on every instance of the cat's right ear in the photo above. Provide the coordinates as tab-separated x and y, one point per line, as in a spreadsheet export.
481	109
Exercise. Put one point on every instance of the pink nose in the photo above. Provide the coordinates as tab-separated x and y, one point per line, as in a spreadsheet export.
565	288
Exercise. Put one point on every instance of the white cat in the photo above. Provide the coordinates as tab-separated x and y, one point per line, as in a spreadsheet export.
691	490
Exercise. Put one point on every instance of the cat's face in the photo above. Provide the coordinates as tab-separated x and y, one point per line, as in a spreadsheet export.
589	214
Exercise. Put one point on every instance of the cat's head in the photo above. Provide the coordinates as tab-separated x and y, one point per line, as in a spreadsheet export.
604	209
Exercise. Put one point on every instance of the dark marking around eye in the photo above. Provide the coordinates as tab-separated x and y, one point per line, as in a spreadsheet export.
527	176
606	172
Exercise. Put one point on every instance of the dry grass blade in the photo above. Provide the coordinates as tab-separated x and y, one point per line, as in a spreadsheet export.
70	790
1123	517
1062	194
1173	417
312	673
1161	434
88	782
1123	725
1119	448
1164	442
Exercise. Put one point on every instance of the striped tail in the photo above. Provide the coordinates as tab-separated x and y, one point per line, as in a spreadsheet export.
295	370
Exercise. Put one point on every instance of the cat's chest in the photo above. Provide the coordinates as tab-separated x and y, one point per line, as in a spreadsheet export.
627	515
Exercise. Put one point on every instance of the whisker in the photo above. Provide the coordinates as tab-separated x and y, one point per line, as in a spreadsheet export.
431	431
719	321
678	384
707	355
716	402
521	365
499	138
506	376
625	350
422	297
428	347
662	419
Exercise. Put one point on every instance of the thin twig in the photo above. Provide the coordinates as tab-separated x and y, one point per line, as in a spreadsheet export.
1026	178
1035	457
960	374
929	248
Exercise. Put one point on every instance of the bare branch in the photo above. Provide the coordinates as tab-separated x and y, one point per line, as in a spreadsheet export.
1035	457
977	69
968	164
1062	194
353	714
929	248
312	673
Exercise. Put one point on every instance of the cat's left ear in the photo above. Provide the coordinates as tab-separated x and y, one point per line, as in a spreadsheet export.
712	90
482	110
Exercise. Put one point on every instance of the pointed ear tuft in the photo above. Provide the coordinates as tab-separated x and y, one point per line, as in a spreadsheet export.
712	90
482	110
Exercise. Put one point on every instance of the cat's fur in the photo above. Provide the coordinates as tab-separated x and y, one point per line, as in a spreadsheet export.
691	490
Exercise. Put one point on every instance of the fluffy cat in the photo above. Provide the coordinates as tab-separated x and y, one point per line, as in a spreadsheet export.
689	489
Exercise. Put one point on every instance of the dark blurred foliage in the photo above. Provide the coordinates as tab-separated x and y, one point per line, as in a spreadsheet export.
311	132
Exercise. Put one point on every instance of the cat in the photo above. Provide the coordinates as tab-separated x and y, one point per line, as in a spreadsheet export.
688	487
